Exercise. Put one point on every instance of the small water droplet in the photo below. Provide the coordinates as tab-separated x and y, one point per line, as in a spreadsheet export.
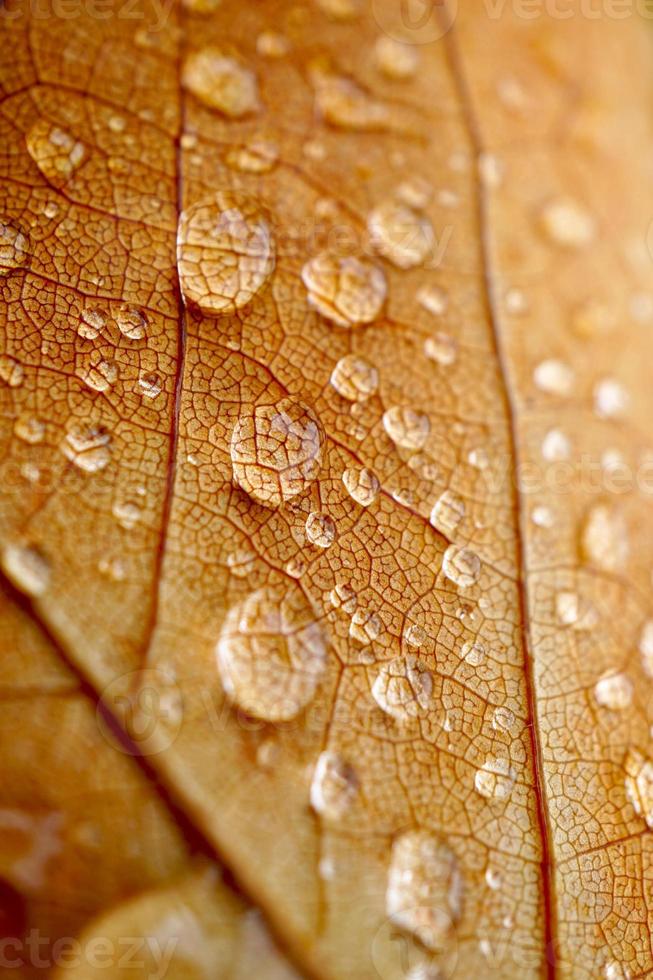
256	157
447	513
416	636
424	893
396	59
365	626
241	562
542	517
271	44
55	152
343	104
29	429
604	538
340	9
611	400
100	377
555	446
568	223
490	169
14	248
221	82
276	451
354	378
403	687
495	780
343	597
614	691
347	290
555	377
91	324
320	529
478	458
26	568
415	192
225	253
400	234
433	299
441	348
504	720
361	484
150	385
462	566
614	970
494	879
127	513
271	654
646	646
473	653
516	302
131	322
334	786
407	428
639	784
112	568
88	447
12	371
592	318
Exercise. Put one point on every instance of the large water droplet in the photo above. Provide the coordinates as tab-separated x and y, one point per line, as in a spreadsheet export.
131	322
55	152
221	82
354	378
14	248
347	290
276	451
88	447
495	780
461	565
407	428
568	224
92	323
361	484
334	786
604	538
448	511
403	687
271	654
225	253
424	894
27	568
639	784
400	234
320	529
614	691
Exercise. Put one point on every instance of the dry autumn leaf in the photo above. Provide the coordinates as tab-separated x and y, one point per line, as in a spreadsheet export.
326	489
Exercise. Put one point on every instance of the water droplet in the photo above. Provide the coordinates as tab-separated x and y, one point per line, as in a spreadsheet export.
613	970
611	400
131	322
113	568
343	104
461	565
646	646
473	653
478	458
334	786
55	152
556	446
29	429
415	192
271	654
495	780
221	82
400	234
276	451
614	691
433	299
567	223
241	562
490	169
516	302
396	59
441	348
100	377
320	529
567	606
14	248
448	511
554	377
92	323
26	568
271	44
361	484
542	517
343	597
639	784
345	289
225	253
354	378
604	539
150	385
365	626
504	720
403	687
424	893
407	429
257	157
494	879
416	636
127	514
88	447
12	371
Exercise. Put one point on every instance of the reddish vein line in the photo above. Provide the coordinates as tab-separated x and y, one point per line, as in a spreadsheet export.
548	885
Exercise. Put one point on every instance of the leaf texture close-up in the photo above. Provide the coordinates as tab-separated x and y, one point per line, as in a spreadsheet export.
326	489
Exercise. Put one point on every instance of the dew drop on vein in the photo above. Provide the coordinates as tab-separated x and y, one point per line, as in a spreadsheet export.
424	891
344	104
225	253
276	451
442	349
259	156
403	687
348	290
271	653
334	786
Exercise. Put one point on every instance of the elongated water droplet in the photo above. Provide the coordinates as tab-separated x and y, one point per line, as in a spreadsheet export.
271	654
504	720
568	224
320	529
441	348
462	566
495	780
334	786
448	511
12	371
257	157
407	428
614	970
646	646
150	385
433	299
424	893
556	446
403	687
88	447
639	784
348	290
354	378
400	234
604	538
276	451
343	104
221	82
395	59
365	626
340	9
14	248
614	691
26	568
101	376
131	322
225	253
91	324
343	597
55	152
361	484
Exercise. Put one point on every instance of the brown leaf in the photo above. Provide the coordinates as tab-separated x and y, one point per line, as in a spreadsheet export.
327	466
